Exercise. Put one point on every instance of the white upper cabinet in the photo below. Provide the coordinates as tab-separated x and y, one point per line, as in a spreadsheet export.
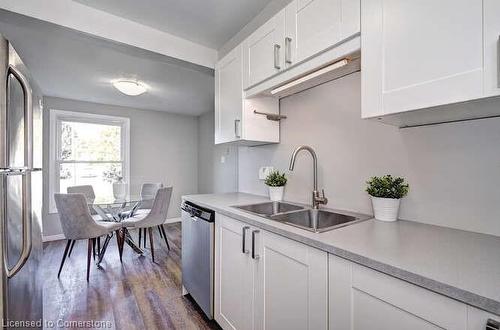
235	120
228	97
419	54
315	25
303	30
491	47
264	50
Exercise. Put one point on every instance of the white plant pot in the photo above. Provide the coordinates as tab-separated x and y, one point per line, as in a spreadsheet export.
119	190
276	193
385	209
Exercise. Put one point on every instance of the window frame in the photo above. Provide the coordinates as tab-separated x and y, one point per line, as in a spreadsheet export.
56	117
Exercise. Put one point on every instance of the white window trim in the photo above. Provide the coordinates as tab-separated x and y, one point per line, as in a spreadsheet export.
58	115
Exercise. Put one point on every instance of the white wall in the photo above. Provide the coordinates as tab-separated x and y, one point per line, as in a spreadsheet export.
163	148
213	175
453	169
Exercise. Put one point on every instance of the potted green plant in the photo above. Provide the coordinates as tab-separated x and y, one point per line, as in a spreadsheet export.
276	182
386	193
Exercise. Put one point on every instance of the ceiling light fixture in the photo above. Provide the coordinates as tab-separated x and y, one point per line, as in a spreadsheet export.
130	87
310	76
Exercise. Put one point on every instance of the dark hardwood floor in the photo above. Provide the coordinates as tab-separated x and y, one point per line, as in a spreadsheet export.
137	294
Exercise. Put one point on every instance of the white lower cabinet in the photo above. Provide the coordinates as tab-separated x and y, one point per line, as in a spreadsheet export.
234	278
266	281
362	298
291	288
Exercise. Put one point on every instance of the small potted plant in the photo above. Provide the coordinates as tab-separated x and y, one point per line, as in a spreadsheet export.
276	182
386	193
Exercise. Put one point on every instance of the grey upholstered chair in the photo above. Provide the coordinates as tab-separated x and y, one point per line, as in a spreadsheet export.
148	193
88	192
77	224
156	217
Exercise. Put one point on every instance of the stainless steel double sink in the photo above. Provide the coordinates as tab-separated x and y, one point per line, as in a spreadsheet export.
315	220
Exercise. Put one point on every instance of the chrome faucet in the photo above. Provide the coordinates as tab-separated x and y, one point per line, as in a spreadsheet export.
316	198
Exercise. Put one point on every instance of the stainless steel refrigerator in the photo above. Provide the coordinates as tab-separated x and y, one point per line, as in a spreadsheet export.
20	190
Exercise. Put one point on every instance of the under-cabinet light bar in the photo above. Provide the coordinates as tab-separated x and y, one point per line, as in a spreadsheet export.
310	76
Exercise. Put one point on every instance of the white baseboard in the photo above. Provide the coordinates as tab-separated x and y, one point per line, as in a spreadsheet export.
51	238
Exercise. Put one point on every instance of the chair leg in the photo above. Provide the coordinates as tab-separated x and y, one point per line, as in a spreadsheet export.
89	255
140	236
159	230
98	245
64	257
72	246
150	230
93	248
165	236
119	241
144	237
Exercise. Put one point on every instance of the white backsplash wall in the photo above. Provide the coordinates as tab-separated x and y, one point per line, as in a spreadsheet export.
453	169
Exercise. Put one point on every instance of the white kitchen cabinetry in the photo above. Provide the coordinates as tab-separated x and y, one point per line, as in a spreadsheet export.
491	47
478	319
291	285
301	31
265	281
264	50
362	298
315	25
234	278
419	54
234	116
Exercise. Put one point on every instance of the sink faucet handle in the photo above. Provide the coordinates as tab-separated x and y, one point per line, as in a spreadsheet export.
324	200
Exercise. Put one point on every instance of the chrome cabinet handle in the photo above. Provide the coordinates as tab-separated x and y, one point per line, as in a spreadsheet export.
254	256
243	247
288	50
277	56
26	190
236	124
492	325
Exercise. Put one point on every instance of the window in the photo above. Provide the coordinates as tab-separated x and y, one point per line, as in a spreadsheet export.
87	149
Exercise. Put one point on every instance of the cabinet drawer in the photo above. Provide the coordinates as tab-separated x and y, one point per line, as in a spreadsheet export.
434	308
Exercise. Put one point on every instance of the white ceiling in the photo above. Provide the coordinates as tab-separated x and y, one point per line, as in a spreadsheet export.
73	65
207	22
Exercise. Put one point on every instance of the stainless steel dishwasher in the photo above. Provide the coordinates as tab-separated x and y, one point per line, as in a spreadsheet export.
198	255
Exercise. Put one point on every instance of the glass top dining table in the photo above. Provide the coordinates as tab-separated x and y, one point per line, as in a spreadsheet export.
111	209
116	210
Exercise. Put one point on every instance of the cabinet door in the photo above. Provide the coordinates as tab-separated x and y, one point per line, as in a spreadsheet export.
419	54
317	27
361	298
478	319
233	277
291	286
491	47
228	97
264	53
